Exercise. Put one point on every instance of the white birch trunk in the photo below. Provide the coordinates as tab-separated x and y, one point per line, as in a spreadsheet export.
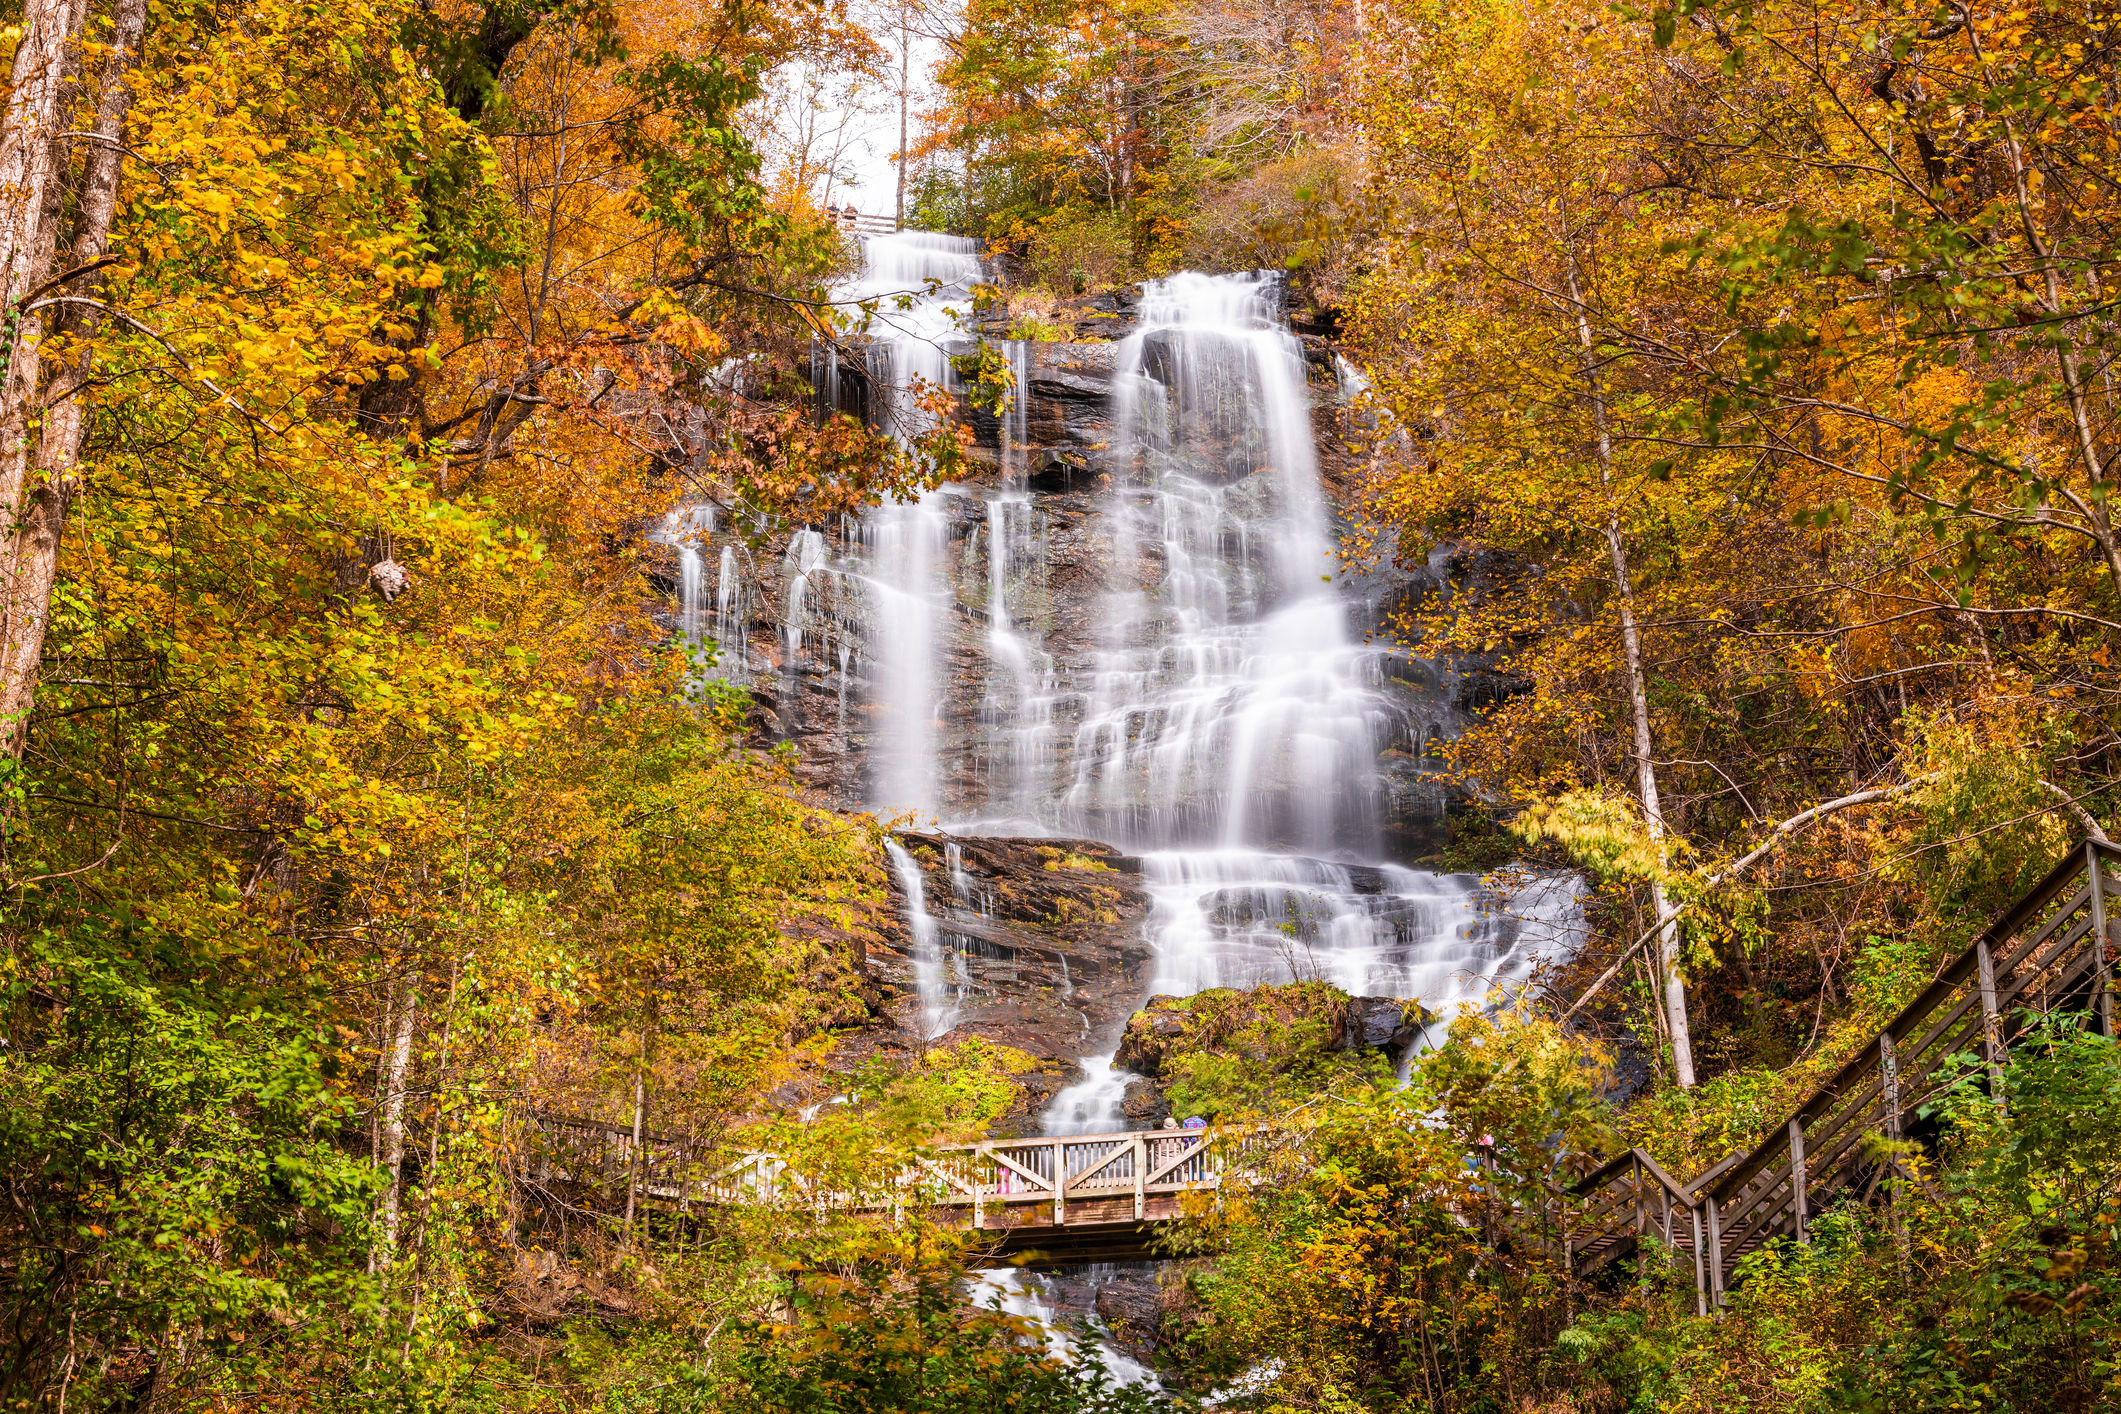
39	100
1675	1013
397	1063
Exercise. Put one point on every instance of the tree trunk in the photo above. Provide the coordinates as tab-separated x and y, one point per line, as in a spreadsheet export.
32	181
1639	704
905	62
397	1062
43	499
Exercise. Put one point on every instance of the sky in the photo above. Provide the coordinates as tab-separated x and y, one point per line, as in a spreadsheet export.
876	188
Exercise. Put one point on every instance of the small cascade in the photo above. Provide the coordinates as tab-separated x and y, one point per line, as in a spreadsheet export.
839	720
806	552
1242	918
1092	1105
689	585
904	544
728	612
1023	1294
938	1009
684	531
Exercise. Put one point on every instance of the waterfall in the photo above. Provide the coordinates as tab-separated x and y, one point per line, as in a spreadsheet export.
1229	705
938	1008
904	542
1022	1294
728	610
689	593
1092	1104
683	531
1232	724
806	553
1211	710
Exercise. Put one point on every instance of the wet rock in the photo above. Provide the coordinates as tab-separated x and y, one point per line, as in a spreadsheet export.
1366	880
1383	1023
1287	1028
1043	941
1069	386
1132	1308
1158	1030
1144	1105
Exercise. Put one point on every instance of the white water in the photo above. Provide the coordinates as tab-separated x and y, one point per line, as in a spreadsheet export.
684	530
903	543
1226	724
938	1004
1228	706
1020	1294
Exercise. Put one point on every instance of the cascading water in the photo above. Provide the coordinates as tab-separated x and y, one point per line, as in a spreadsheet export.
938	1014
1225	724
684	530
1023	1294
1217	718
904	543
1232	726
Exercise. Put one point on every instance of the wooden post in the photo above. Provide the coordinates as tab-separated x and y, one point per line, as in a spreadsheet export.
1708	1204
1141	1177
2103	1002
1991	1022
981	1157
1889	1083
1701	1294
1060	1184
1797	1180
1642	1227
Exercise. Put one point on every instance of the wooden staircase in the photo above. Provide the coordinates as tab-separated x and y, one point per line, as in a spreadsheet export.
2052	953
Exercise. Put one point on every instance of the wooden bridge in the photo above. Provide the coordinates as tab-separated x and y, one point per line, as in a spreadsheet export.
1072	1199
1098	1197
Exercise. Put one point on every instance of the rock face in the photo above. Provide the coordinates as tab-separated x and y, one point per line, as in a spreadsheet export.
1042	946
804	626
1254	1023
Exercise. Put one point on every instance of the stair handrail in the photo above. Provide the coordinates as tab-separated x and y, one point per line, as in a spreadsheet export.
1961	970
1994	971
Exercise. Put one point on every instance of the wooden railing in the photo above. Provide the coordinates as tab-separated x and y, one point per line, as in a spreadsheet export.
863	225
1098	1178
2053	952
996	1183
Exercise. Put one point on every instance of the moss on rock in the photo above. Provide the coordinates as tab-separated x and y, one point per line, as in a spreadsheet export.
1223	1052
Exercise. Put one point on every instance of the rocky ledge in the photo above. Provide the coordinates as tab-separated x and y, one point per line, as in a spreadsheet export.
1042	948
1221	1052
